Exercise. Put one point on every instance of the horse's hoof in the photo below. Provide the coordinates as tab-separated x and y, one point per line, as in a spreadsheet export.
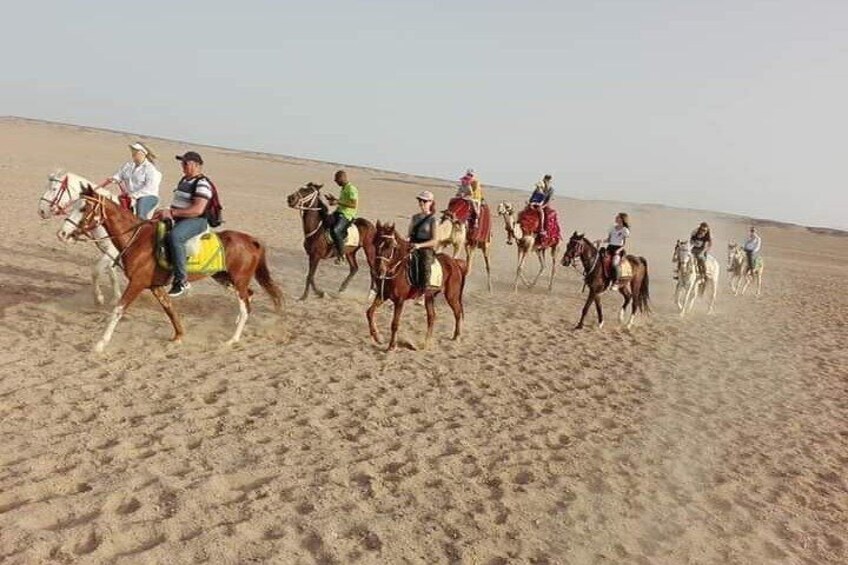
578	327
600	326
391	348
99	346
177	339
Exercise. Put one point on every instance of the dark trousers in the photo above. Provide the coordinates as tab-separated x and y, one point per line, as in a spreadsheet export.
339	232
424	260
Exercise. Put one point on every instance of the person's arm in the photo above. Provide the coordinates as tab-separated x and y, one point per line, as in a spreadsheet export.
113	179
549	195
198	206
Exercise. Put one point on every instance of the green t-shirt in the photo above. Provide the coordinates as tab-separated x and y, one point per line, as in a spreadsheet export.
347	197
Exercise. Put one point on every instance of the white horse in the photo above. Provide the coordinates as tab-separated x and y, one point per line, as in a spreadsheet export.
737	266
63	189
689	284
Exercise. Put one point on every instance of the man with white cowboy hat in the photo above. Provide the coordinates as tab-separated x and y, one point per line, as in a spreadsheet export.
139	179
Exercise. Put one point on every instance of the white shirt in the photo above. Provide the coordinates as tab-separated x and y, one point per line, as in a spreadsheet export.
753	244
617	235
139	180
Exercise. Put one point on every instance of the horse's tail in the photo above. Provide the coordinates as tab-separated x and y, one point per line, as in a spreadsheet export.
644	298
263	277
366	241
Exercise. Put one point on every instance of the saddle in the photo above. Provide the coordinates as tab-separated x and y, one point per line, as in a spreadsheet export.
528	219
205	252
351	237
625	269
415	272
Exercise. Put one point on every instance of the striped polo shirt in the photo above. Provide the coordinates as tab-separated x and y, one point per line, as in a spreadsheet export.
184	194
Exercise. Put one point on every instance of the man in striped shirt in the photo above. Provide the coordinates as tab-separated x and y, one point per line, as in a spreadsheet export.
188	213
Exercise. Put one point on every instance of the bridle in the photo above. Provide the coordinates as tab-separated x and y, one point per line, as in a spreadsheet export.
684	258
306	203
62	192
98	212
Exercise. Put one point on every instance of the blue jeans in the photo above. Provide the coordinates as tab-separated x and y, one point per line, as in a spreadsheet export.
145	205
184	229
339	232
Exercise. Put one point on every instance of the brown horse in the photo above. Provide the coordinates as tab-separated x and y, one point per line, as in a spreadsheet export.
136	243
634	287
453	230
314	213
394	255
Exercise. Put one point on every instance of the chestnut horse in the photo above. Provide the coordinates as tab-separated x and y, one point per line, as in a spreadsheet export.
314	212
394	255
633	288
453	230
135	241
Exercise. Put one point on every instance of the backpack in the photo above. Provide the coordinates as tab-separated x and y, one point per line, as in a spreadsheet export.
213	208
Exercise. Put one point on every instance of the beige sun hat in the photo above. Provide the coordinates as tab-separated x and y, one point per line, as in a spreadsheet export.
426	196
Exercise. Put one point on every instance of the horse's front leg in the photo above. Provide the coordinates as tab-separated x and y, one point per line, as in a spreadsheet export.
553	268
485	251
167	305
759	276
589	300
519	271
104	266
369	315
395	324
130	294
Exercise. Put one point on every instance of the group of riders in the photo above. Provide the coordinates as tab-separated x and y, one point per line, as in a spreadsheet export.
188	214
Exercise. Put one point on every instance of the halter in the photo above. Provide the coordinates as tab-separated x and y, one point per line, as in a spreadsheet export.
63	191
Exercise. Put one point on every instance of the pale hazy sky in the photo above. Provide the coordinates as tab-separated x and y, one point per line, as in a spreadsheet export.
735	106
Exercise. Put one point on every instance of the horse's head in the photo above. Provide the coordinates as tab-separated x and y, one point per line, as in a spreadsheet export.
577	246
386	247
734	254
56	196
85	214
682	253
305	197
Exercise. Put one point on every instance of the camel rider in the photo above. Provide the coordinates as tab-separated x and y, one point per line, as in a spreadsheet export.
345	213
540	199
188	214
701	241
422	234
470	189
616	240
752	249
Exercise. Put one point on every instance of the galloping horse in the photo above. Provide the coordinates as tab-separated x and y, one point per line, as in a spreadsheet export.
316	240
634	287
689	285
453	230
737	267
394	256
63	189
523	232
136	243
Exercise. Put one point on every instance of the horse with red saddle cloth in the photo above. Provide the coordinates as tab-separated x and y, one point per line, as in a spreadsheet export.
526	231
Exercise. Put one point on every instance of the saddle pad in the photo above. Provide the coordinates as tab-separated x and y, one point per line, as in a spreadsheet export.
436	273
626	269
352	239
205	253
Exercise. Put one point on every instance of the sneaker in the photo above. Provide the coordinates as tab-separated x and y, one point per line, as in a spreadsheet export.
178	288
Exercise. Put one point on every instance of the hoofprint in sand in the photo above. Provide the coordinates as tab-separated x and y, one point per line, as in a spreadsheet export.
707	439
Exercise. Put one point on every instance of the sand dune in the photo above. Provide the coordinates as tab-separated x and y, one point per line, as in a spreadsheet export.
711	439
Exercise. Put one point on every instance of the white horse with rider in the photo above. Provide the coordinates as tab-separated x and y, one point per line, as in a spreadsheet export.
63	189
689	284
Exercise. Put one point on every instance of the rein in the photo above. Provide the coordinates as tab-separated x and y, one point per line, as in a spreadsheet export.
391	271
54	202
82	229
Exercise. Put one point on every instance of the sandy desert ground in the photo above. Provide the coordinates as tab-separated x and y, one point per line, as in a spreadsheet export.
712	439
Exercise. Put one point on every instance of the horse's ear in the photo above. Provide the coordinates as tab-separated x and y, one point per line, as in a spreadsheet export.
378	225
88	190
319	186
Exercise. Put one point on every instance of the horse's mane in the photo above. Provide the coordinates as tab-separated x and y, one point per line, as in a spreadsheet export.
81	182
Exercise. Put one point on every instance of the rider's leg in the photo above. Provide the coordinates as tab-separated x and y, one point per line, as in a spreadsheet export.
182	231
338	233
145	205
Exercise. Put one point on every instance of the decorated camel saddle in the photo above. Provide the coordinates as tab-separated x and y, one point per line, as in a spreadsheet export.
529	221
205	252
462	210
